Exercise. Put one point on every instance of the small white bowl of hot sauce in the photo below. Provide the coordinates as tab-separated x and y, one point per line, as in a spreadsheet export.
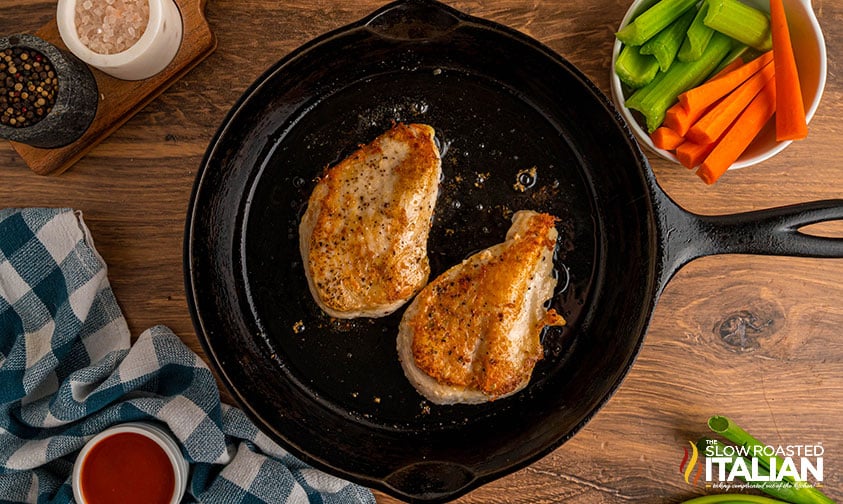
134	462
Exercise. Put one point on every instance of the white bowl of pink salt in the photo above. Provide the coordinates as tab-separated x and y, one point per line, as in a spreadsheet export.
127	39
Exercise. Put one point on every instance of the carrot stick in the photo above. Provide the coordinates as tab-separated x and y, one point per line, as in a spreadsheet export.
740	134
710	126
790	110
734	59
706	94
732	65
678	119
677	116
665	138
691	154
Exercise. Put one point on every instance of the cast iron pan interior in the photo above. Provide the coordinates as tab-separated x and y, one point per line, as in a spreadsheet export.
502	105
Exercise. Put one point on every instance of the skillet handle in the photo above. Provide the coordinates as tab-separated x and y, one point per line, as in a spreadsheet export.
431	481
413	20
773	231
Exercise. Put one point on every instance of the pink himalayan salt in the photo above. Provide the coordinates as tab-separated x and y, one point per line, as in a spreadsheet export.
111	26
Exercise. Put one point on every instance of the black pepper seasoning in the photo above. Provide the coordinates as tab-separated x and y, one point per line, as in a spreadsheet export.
48	97
23	72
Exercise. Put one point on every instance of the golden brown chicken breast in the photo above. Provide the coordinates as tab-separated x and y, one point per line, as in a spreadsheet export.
363	237
473	334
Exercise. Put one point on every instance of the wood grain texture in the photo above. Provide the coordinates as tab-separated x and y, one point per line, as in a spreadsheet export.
121	99
134	187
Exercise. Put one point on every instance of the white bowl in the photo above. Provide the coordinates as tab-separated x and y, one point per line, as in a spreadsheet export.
809	52
155	49
161	437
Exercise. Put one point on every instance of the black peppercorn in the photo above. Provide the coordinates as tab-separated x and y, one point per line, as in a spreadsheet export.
48	97
20	106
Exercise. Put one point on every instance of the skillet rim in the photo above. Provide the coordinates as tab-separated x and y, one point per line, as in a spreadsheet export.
636	154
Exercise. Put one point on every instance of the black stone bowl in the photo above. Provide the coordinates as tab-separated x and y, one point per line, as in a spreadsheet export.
75	101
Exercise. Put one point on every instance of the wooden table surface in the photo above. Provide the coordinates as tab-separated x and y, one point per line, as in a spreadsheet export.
134	189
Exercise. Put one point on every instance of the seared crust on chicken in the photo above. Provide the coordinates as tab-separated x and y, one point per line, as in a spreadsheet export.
473	334
363	237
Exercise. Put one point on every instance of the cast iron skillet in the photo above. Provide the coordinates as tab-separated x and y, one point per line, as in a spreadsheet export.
502	104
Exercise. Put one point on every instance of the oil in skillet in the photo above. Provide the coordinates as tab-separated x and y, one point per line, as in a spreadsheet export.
484	143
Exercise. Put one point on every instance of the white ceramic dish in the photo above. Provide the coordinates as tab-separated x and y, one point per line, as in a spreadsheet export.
160	436
809	51
155	49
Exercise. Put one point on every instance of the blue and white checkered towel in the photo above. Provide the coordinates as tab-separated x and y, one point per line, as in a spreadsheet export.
68	371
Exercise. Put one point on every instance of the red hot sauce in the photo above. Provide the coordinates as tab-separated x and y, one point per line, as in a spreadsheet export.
127	468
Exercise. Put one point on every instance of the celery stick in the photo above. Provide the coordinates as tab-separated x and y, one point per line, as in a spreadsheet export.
738	51
655	98
743	23
733	432
787	491
733	499
653	20
635	69
697	37
665	45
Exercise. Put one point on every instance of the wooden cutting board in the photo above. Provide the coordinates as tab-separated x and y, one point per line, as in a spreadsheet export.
121	99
